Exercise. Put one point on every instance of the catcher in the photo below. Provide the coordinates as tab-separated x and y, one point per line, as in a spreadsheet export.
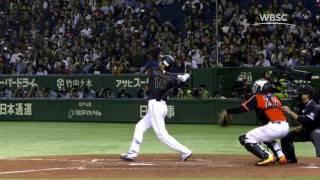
275	126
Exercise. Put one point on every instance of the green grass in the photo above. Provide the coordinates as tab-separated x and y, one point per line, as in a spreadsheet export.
21	139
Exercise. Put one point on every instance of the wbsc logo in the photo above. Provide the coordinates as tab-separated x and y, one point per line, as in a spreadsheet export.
273	19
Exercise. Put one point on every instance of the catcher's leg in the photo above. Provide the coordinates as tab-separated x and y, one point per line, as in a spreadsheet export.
270	146
276	150
254	148
266	133
315	137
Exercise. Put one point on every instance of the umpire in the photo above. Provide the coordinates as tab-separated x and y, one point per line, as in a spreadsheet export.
308	115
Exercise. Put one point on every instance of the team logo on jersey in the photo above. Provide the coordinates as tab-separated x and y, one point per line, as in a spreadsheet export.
311	115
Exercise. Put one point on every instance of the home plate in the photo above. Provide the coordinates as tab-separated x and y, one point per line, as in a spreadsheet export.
94	160
141	164
311	167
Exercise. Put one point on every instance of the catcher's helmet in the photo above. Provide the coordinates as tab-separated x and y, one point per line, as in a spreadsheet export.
262	86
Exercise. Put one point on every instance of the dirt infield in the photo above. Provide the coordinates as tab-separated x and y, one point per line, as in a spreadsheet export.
147	166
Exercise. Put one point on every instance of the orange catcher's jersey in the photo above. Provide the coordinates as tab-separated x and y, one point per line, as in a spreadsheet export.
268	107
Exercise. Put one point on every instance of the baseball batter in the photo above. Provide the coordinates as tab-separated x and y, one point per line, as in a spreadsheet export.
161	84
275	126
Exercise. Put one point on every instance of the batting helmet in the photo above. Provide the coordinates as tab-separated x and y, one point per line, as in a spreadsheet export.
167	60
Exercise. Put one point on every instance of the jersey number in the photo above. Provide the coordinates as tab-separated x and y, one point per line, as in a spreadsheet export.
271	102
160	83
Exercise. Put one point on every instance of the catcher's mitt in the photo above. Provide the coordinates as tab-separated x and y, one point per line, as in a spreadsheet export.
224	118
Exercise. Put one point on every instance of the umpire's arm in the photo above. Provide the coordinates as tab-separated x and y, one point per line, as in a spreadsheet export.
291	113
303	119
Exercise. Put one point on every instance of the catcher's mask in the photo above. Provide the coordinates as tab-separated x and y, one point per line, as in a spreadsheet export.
262	86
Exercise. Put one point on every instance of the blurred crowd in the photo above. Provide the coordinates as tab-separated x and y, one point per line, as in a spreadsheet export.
87	37
40	37
243	44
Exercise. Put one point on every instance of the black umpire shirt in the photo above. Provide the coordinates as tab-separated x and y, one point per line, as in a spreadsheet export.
309	115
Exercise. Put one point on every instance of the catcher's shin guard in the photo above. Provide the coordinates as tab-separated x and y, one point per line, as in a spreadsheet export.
270	146
276	150
255	149
242	139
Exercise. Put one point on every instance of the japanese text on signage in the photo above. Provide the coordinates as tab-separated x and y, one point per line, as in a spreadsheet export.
18	109
18	82
143	109
69	83
128	83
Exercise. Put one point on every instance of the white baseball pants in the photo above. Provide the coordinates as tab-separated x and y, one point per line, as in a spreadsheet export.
268	133
157	111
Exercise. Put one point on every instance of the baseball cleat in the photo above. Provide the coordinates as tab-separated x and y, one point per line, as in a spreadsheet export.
282	160
266	161
292	161
185	156
129	156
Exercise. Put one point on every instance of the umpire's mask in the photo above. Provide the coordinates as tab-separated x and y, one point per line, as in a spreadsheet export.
305	89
